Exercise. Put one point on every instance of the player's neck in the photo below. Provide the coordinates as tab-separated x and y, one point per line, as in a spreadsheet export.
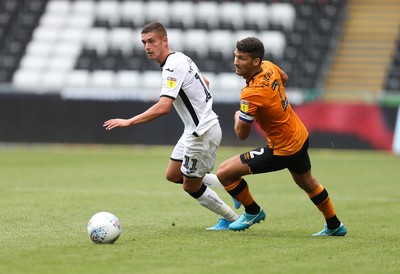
253	73
164	56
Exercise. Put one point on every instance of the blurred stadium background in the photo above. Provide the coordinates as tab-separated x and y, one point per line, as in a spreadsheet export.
68	65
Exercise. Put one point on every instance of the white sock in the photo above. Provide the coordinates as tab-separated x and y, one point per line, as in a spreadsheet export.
211	180
213	202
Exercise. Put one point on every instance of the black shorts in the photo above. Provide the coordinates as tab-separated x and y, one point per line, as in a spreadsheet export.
262	160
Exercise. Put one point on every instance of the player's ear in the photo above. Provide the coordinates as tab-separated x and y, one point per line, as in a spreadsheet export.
257	61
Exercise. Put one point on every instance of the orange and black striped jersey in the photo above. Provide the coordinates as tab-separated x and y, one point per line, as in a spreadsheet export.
264	100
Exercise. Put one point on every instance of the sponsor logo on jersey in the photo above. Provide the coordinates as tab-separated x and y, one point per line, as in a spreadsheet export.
171	82
244	106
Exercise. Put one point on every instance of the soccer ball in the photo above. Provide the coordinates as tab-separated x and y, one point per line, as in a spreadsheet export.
104	228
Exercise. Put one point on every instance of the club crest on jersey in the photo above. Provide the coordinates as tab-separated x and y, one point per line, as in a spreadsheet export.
244	106
171	82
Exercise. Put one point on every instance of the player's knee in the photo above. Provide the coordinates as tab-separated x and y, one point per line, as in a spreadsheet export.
306	181
222	171
193	186
222	174
187	188
174	179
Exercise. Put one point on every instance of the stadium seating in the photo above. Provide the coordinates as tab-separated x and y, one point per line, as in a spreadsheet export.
393	76
17	22
62	43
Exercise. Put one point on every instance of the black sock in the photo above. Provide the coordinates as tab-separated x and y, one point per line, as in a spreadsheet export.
333	222
253	209
200	192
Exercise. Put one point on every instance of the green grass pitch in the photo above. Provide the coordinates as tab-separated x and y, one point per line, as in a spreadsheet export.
48	193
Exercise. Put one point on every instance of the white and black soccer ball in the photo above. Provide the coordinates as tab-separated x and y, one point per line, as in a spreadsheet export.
104	228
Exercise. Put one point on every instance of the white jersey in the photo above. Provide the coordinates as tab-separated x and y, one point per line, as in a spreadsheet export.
182	81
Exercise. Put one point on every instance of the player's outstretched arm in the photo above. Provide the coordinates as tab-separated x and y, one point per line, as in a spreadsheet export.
117	122
162	107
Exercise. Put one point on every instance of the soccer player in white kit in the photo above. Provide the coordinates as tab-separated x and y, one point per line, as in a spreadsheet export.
194	155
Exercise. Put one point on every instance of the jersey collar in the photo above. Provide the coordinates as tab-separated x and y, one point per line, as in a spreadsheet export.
163	63
255	74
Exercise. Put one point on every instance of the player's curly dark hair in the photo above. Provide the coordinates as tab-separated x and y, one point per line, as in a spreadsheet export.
251	45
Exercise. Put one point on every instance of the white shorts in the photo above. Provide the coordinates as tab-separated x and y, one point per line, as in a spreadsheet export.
198	154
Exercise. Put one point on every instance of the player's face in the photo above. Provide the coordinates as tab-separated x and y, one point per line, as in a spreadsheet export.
245	65
154	45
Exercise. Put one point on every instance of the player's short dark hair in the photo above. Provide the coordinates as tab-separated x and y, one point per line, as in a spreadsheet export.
155	27
251	45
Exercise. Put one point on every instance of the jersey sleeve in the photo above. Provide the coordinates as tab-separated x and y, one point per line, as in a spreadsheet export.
249	103
172	80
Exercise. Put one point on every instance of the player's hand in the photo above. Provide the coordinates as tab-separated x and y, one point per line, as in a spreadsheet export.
113	123
236	116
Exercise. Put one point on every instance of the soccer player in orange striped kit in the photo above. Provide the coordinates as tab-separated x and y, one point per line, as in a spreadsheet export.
263	100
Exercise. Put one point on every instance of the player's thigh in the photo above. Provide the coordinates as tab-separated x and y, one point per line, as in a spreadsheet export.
200	152
173	173
232	169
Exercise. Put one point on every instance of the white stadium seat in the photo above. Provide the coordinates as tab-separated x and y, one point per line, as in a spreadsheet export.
58	6
79	20
108	10
151	80
127	79
226	87
196	40
183	12
77	78
132	10
97	39
121	38
222	41
157	11
241	34
229	81
231	13
47	34
283	14
175	39
39	48
52	80
83	6
137	39
101	79
60	63
53	20
26	79
257	14
33	62
207	12
274	42
72	34
67	49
